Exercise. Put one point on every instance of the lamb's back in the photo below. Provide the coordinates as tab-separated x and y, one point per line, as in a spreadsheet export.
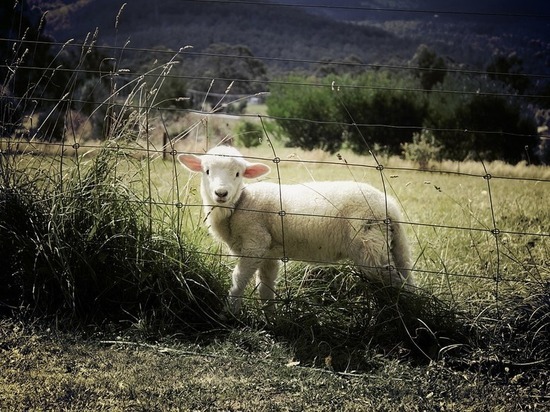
318	219
332	198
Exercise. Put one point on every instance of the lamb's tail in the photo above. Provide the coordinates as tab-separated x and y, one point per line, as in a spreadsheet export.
401	254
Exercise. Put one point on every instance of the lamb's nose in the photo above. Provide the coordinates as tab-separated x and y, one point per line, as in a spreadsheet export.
221	193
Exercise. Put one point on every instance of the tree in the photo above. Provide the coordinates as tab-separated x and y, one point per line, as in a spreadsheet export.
423	149
350	65
308	115
383	111
509	69
361	111
431	67
249	134
226	63
486	126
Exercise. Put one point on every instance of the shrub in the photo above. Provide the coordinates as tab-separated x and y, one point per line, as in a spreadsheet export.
87	248
422	150
306	114
431	67
474	125
370	109
386	115
249	134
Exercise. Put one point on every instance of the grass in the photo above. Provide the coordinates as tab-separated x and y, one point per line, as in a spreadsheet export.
246	370
119	244
112	286
86	246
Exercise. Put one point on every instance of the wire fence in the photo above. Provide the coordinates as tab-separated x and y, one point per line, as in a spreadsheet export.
496	229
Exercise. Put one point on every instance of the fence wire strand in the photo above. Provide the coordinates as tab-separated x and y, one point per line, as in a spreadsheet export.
145	148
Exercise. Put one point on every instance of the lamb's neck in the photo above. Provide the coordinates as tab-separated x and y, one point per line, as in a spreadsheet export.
218	220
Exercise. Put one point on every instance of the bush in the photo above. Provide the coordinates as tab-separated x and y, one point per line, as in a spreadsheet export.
249	134
431	67
480	126
385	114
364	113
306	114
422	150
88	249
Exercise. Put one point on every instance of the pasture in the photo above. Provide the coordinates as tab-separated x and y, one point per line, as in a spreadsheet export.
111	288
475	336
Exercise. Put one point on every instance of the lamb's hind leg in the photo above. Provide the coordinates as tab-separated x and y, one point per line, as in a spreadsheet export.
265	282
371	253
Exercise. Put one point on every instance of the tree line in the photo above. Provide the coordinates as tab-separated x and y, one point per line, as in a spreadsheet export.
468	116
339	104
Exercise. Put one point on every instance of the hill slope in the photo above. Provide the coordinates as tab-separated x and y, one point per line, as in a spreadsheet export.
270	31
467	34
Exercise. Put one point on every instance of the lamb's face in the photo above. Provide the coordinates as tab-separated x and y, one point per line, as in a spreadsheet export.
223	170
222	179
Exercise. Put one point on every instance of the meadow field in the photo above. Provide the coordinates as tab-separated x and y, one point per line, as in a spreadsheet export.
113	293
123	313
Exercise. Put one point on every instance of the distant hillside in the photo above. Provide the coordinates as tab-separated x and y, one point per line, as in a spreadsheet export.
462	32
467	32
270	31
357	10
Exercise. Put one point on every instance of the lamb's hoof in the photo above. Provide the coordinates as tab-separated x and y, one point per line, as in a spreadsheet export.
231	310
270	312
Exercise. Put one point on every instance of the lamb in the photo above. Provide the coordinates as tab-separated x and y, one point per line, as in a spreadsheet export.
322	222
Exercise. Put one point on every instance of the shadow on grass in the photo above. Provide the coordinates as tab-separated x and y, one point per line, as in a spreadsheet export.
343	323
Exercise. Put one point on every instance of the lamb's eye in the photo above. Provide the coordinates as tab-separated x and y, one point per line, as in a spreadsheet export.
207	171
238	174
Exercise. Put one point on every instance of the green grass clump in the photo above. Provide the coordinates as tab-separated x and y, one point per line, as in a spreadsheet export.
86	247
334	318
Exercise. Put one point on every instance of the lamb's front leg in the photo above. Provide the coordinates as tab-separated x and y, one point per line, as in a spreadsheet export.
265	282
243	272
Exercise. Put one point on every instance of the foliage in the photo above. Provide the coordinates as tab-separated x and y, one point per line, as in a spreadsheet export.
484	121
51	81
234	67
509	70
364	112
306	113
24	51
431	67
338	67
380	110
86	247
249	134
481	123
423	149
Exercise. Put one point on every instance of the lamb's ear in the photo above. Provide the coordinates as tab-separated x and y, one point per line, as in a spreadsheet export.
256	170
191	162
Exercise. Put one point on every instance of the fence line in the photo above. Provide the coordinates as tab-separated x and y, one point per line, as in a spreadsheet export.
150	151
493	230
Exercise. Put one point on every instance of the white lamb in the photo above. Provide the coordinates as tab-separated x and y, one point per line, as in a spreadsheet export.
323	222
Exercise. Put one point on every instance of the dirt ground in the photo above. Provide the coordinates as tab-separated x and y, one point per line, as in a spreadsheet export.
41	369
